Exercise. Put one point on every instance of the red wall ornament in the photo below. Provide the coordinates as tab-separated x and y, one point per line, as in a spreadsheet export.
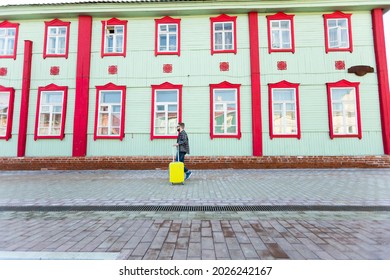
282	65
339	64
167	68
112	69
224	66
3	71
54	70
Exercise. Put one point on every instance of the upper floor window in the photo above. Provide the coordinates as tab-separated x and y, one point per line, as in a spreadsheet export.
338	32
284	110
166	110
56	39
223	34
7	96
114	37
167	39
281	33
225	110
8	39
110	112
51	110
344	109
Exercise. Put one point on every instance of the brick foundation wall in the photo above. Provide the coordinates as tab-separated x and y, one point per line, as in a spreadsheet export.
193	162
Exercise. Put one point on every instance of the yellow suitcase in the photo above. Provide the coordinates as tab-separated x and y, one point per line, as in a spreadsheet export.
176	172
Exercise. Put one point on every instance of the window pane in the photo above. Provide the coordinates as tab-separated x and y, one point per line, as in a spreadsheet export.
103	119
111	97
52	31
218	41
160	108
56	120
219	118
61	45
218	26
119	43
275	24
119	29
109	44
51	45
228	26
285	24
163	42
172	28
52	97
62	31
11	43
275	39
224	95
116	120
44	120
2	45
332	23
342	23
2	32
163	27
228	40
166	96
286	39
283	94
172	42
172	108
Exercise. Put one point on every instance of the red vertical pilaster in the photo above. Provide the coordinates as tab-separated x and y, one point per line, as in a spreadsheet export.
23	122
80	125
383	79
257	140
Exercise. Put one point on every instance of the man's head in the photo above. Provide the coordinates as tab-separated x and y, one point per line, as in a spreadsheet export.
180	126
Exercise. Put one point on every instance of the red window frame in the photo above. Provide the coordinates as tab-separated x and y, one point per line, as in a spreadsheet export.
7	24
166	20
56	23
224	18
281	16
284	85
225	85
51	87
338	15
344	84
113	22
110	86
8	131
165	86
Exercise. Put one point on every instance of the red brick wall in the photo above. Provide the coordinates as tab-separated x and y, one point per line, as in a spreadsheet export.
193	162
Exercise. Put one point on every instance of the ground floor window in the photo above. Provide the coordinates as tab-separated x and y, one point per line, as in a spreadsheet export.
344	109
6	111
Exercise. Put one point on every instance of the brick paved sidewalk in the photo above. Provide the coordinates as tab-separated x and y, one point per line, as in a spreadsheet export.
196	235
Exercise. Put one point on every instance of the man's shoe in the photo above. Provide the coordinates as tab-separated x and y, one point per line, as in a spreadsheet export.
188	175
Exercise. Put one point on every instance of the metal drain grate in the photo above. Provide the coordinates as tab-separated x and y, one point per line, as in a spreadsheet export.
201	208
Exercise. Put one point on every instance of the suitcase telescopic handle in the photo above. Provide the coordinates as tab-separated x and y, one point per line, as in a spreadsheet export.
175	153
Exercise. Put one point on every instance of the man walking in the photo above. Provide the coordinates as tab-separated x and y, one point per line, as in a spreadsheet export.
184	148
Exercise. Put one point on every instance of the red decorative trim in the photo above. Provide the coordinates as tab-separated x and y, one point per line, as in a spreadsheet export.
166	20
282	65
224	85
344	84
51	87
23	120
8	130
58	23
383	79
7	24
167	68
257	130
80	126
166	86
224	66
110	86
3	71
338	15
339	64
281	16
113	22
113	69
257	135
224	18
55	70
283	85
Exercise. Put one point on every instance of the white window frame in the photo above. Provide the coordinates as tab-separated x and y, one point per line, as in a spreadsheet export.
3	116
166	113
114	36
284	112
51	113
56	37
225	111
339	31
167	34
6	51
280	32
110	113
224	32
345	125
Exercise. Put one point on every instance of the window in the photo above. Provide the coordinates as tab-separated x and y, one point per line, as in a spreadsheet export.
114	37
167	39
281	33
225	110
166	110
338	32
110	112
56	39
7	96
223	34
284	119
344	109
51	110
8	39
